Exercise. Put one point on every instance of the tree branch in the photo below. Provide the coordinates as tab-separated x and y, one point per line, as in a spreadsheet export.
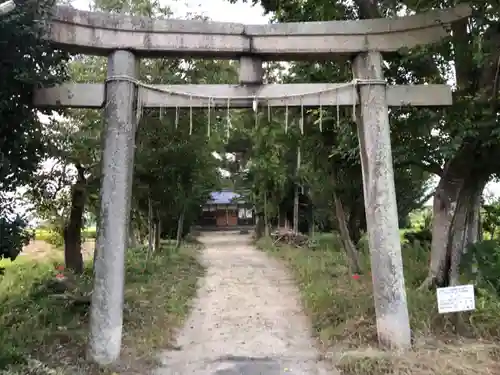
430	167
368	9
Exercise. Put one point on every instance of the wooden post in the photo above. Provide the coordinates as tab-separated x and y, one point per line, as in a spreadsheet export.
380	204
106	316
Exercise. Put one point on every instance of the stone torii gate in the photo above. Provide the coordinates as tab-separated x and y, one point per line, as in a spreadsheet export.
125	39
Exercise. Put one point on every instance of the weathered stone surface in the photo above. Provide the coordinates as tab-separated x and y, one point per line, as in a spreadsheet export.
380	206
100	33
251	70
116	188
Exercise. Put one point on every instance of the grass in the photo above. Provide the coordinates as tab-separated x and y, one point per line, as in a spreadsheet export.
35	327
343	316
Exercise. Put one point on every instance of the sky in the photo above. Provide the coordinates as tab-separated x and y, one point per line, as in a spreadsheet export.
216	10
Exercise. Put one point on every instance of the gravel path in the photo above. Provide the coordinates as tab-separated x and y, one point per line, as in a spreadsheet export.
247	319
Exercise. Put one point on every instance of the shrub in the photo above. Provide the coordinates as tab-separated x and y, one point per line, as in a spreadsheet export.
14	236
52	236
89	233
423	234
481	262
55	237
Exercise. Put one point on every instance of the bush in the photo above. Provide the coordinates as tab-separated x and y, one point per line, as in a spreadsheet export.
422	234
52	236
481	263
14	236
55	237
89	233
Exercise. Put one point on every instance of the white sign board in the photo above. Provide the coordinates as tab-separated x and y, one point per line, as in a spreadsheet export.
456	298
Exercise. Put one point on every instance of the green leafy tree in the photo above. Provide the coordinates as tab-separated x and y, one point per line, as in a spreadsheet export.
65	192
27	61
174	169
460	144
490	220
267	168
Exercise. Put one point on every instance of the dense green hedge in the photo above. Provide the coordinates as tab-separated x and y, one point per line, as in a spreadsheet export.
55	237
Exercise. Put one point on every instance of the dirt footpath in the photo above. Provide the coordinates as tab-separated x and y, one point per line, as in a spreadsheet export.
247	319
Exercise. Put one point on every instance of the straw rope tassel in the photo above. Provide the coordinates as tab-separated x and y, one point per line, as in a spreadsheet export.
353	84
286	118
338	110
228	118
320	114
139	106
354	96
255	107
191	116
209	117
301	117
126	78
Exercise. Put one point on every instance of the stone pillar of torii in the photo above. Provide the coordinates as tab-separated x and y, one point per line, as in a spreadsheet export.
7	7
123	96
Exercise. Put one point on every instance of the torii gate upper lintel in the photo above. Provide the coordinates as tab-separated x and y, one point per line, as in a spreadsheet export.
124	39
99	33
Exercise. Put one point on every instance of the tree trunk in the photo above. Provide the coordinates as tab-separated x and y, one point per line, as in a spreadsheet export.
296	210
142	229
311	221
132	239
475	231
457	197
73	229
345	236
259	226
157	233
180	229
150	227
296	197
266	217
350	249
356	223
455	220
